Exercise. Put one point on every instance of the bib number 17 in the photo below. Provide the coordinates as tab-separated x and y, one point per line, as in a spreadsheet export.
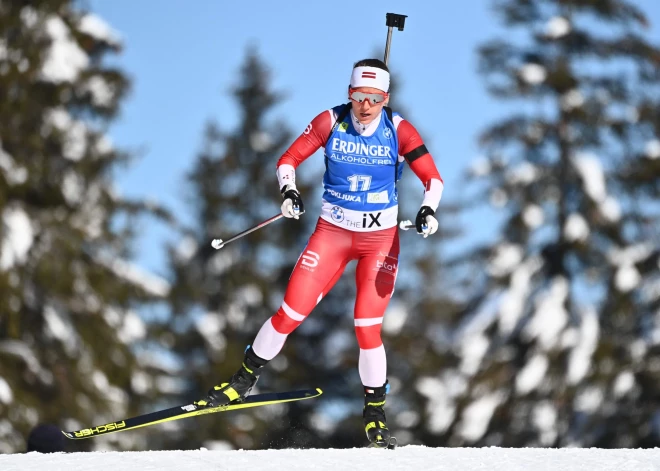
363	181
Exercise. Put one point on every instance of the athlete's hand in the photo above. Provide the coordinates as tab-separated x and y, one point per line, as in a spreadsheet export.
292	207
425	223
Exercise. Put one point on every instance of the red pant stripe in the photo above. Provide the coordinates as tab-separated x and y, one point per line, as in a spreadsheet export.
368	337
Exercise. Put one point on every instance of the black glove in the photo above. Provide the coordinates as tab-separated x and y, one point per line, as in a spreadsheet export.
292	207
420	220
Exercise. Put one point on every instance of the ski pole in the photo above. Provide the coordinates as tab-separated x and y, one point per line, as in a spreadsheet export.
392	20
217	244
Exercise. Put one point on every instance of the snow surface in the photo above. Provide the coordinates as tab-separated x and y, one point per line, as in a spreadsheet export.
403	458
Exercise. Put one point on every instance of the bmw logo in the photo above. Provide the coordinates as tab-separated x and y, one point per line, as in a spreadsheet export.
387	132
337	213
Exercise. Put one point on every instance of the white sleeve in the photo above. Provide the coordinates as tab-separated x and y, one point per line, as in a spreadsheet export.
433	193
286	175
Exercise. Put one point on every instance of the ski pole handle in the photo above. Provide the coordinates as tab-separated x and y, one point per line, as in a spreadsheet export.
217	244
405	225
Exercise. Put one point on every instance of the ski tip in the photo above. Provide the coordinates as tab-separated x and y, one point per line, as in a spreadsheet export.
72	435
318	390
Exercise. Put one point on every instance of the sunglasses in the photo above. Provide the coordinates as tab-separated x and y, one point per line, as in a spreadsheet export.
373	98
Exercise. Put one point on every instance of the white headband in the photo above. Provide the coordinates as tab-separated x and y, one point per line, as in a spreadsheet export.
370	77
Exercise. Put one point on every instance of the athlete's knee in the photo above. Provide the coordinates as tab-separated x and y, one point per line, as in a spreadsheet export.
286	319
367	332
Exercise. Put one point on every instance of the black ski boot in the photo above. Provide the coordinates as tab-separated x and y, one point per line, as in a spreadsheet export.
375	423
239	385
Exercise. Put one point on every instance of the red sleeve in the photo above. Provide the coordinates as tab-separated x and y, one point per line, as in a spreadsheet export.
312	139
410	146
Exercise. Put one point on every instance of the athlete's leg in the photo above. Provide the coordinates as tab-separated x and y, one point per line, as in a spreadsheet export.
319	267
375	277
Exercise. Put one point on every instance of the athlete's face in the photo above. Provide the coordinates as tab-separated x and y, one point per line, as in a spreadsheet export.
366	111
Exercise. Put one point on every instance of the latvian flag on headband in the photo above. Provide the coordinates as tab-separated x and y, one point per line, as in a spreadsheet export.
364	76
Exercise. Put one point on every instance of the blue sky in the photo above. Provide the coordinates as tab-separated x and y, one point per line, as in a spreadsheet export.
184	56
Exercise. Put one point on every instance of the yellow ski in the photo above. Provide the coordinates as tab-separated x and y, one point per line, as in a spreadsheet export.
191	410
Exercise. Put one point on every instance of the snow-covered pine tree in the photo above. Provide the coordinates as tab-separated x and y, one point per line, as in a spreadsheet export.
69	295
561	342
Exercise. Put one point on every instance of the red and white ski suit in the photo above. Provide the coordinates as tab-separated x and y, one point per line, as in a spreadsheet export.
331	247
